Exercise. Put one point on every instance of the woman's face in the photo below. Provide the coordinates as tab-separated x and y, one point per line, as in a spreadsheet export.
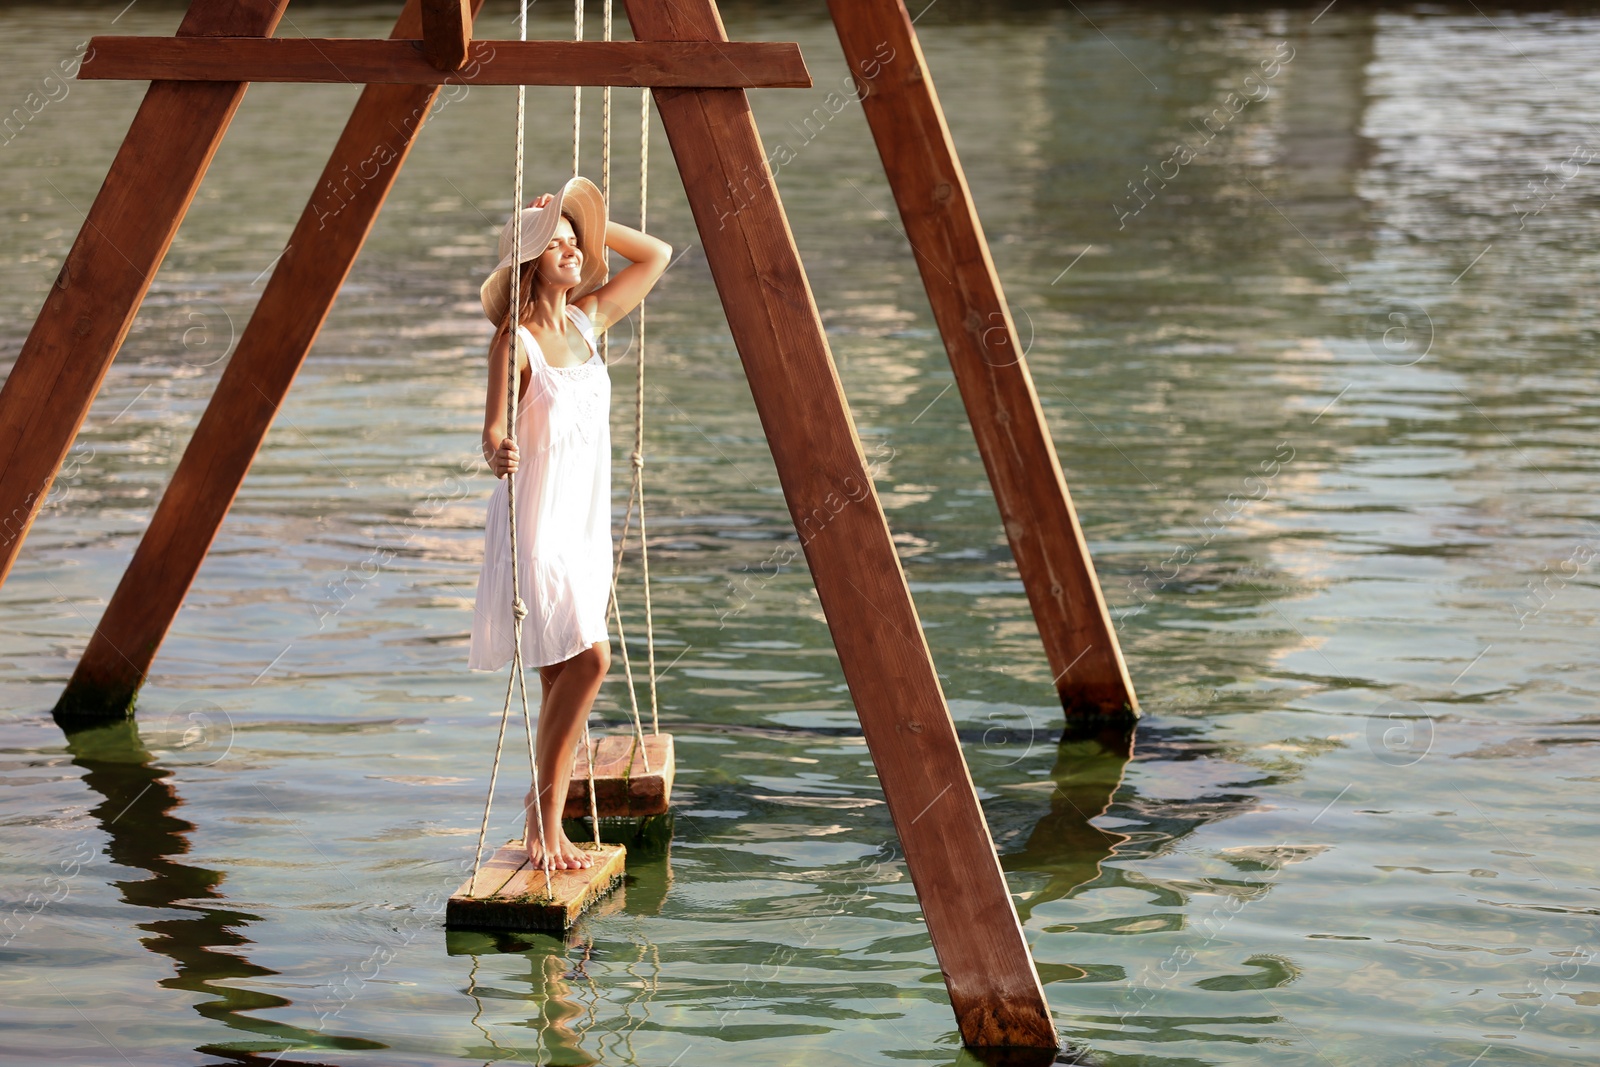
561	262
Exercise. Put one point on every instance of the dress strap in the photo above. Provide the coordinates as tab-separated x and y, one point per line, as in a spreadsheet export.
585	326
531	349
538	369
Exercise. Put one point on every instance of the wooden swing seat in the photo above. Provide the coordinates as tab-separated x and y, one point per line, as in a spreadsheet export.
508	892
622	786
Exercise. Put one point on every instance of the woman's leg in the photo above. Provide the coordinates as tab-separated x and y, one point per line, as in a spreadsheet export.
569	691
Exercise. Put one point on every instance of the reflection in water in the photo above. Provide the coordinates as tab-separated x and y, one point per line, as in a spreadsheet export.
576	1024
1069	852
1066	845
558	1012
144	835
562	1001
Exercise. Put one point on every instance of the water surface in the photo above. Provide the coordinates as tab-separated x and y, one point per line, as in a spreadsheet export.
1325	394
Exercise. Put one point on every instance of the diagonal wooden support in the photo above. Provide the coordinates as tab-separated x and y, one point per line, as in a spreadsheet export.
123	240
936	208
773	317
354	184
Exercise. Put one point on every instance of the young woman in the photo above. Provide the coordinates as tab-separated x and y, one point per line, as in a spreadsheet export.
561	462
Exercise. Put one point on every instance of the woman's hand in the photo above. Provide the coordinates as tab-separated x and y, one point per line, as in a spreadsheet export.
542	200
504	460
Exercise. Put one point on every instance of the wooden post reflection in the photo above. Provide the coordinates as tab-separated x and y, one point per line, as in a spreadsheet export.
1065	844
136	813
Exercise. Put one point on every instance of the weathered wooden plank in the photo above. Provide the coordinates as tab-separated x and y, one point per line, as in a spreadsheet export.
522	902
629	779
477	940
1002	405
755	64
125	236
773	317
496	871
446	33
297	298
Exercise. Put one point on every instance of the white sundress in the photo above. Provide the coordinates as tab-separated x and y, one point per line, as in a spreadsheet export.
563	495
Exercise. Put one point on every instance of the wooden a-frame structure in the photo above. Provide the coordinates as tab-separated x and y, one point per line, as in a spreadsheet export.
698	79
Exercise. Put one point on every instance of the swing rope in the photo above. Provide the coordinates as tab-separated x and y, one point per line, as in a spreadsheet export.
636	457
519	610
605	197
638	416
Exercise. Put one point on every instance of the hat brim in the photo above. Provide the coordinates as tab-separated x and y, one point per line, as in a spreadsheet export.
578	198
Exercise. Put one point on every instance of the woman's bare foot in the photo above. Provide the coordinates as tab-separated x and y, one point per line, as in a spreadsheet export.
536	854
574	857
564	855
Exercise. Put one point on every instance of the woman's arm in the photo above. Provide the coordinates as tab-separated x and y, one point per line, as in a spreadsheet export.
648	258
499	450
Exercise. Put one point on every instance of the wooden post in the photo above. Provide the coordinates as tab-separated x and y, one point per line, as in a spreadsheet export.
1002	406
446	32
773	317
324	245
127	232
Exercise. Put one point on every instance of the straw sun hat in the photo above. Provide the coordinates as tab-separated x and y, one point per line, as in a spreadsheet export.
580	200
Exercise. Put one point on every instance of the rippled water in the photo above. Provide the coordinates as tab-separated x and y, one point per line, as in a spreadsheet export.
1327	404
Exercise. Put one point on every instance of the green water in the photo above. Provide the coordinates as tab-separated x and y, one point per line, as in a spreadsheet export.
1327	405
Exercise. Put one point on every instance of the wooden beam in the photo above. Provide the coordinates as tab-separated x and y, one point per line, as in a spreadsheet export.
334	225
936	208
746	65
446	33
126	234
773	317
